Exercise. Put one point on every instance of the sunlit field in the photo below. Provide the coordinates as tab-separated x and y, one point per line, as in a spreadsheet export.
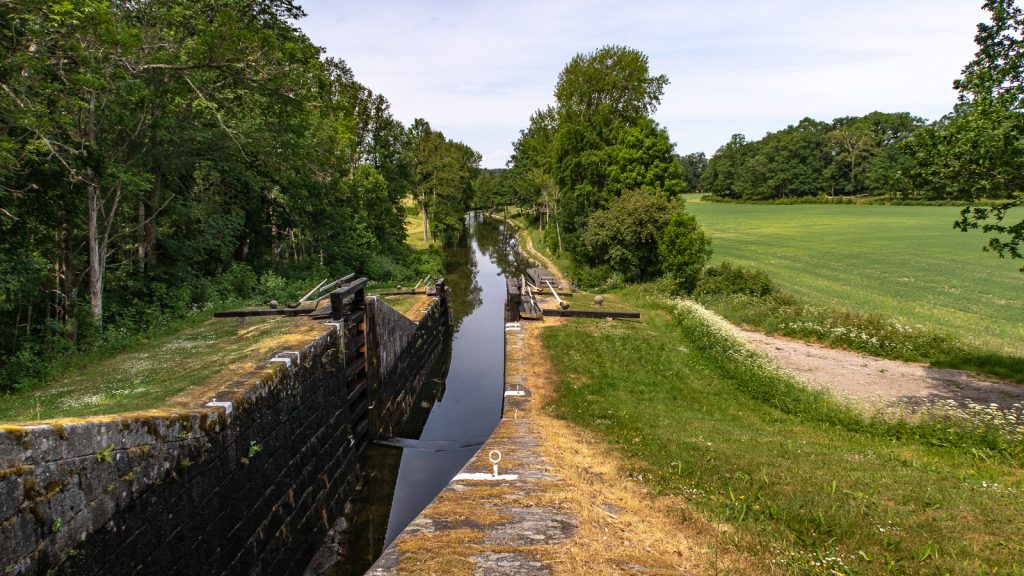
905	262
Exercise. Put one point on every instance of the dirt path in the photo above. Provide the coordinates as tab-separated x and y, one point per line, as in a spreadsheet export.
878	382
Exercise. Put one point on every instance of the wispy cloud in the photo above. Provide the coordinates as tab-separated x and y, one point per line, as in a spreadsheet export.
477	70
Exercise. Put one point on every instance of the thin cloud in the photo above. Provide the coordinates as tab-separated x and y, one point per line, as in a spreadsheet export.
477	70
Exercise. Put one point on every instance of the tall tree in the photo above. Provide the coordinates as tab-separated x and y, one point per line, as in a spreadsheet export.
151	151
598	95
694	165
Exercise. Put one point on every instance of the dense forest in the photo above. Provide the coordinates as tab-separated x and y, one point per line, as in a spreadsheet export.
849	156
157	157
880	154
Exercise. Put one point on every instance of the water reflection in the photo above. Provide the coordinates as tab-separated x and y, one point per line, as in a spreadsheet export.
459	406
461	271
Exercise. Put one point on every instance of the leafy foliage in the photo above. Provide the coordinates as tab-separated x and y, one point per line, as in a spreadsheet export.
988	125
601	173
684	250
627	235
150	148
728	279
849	156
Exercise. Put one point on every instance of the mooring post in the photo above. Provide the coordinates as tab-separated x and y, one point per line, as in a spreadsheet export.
513	299
348	299
441	291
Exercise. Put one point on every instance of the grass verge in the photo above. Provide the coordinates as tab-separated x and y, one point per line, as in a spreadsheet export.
808	484
162	370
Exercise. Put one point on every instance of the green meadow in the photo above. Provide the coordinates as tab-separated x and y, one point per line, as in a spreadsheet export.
903	262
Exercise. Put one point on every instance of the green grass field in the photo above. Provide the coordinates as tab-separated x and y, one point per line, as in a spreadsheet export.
903	262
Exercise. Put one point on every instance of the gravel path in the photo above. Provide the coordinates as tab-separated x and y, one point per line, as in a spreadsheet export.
875	381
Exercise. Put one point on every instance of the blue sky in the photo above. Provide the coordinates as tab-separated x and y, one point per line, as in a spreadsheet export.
477	70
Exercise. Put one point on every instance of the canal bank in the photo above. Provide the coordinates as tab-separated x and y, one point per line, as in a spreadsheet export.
563	502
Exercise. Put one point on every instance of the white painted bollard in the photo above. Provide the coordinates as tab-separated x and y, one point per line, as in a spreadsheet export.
494	456
494	461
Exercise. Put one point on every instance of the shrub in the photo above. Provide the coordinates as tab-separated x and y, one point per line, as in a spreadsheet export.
272	287
238	282
626	235
383	268
684	250
591	277
728	279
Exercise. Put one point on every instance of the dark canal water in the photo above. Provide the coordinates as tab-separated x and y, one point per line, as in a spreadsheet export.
458	407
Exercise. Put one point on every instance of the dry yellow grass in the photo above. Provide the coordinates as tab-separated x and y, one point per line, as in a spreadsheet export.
619	523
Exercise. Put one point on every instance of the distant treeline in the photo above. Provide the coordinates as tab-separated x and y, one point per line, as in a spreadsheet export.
891	154
156	156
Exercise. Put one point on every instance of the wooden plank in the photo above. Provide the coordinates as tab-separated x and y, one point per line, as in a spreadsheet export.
590	313
274	312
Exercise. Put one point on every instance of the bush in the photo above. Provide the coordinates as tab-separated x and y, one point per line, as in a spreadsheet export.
238	282
728	279
383	268
272	287
626	235
21	370
684	250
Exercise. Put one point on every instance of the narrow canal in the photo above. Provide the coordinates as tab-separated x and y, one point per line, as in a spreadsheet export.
458	407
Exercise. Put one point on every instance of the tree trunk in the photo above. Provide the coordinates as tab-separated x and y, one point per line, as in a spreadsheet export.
66	277
140	240
426	223
150	226
96	255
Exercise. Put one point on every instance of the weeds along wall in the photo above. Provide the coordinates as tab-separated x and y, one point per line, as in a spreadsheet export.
249	485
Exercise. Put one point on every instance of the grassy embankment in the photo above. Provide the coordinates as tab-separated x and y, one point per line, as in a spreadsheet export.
893	281
166	368
792	475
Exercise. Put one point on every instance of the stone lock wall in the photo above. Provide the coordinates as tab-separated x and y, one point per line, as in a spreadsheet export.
247	485
403	348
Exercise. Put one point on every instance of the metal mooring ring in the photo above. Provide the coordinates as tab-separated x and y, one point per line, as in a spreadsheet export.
492	458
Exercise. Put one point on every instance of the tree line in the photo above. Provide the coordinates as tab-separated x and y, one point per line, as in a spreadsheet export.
156	156
974	152
603	180
850	156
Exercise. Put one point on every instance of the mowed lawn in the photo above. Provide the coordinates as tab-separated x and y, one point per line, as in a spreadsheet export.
904	262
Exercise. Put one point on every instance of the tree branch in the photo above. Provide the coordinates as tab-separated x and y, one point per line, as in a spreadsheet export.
220	119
